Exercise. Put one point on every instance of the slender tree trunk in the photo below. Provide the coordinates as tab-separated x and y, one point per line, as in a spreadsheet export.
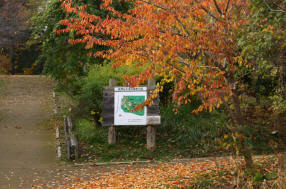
282	78
244	149
239	120
282	170
12	61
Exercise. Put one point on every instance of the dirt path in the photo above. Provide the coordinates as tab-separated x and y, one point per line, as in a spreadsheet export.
26	140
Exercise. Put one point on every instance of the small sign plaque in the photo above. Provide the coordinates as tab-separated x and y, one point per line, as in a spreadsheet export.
128	89
125	101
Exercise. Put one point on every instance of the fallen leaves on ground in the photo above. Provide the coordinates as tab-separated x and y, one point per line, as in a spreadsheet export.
222	172
163	175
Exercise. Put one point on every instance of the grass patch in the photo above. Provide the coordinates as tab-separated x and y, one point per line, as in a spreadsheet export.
183	135
179	136
213	179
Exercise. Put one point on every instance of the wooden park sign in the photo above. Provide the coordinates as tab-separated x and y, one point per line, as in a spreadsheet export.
118	106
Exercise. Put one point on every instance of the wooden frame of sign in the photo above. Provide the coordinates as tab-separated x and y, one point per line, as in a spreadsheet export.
149	116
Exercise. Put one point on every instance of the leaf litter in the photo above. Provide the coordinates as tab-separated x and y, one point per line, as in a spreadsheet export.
217	172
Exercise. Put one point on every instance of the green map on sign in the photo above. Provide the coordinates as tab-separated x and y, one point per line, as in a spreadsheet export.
129	103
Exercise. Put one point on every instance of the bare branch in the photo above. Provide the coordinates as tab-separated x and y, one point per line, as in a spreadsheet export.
228	107
185	28
281	8
217	7
275	10
226	7
158	6
187	64
208	12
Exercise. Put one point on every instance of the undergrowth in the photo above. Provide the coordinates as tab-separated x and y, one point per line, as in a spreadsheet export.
184	135
181	135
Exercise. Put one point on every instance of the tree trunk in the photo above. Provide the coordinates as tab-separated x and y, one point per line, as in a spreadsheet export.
240	122
282	78
282	170
12	61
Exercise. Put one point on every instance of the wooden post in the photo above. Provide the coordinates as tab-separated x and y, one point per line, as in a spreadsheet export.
151	137
12	60
68	142
111	129
151	82
112	82
111	135
151	132
72	147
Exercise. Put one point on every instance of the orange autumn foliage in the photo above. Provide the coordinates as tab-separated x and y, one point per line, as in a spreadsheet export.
191	42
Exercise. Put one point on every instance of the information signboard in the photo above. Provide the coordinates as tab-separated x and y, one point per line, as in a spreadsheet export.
125	101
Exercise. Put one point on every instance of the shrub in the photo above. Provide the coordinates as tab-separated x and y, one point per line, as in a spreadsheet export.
90	95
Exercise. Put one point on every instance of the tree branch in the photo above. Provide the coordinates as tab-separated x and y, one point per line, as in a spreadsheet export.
208	12
281	8
158	6
226	7
228	108
277	10
182	25
217	7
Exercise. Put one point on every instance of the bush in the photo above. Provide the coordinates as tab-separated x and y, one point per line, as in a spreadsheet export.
200	132
87	131
90	95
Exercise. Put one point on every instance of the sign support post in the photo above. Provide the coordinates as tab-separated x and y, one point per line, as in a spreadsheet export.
111	128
